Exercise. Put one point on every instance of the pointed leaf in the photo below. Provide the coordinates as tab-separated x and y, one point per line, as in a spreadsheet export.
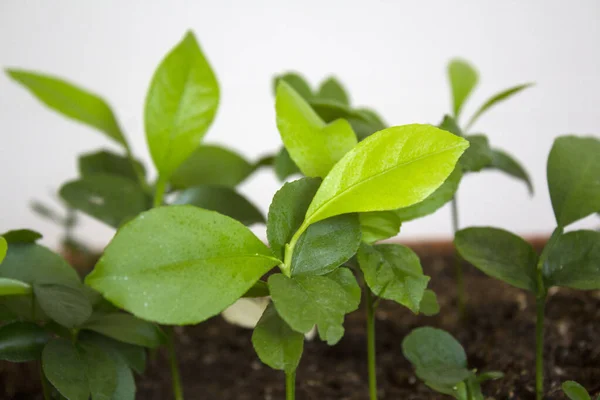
573	171
332	89
393	272
211	165
126	328
297	82
379	225
284	165
314	146
326	245
463	79
479	154
276	344
287	211
323	300
434	201
67	305
394	168
507	164
107	162
22	341
71	101
12	287
212	260
574	261
499	254
21	236
111	199
495	99
66	370
49	213
180	106
575	391
223	200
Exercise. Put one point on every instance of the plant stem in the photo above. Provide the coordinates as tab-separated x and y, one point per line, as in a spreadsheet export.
159	193
371	353
290	385
136	168
468	389
539	347
45	385
458	266
175	376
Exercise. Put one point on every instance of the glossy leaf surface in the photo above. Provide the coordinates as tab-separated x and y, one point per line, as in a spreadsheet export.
22	341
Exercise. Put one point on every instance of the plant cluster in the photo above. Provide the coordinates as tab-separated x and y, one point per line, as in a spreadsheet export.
183	252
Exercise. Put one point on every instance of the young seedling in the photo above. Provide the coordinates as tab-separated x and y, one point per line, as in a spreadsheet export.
83	344
181	265
575	391
441	363
113	188
463	80
569	259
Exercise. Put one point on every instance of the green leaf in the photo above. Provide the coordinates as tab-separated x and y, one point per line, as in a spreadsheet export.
479	154
3	248
67	305
49	213
332	89
71	101
101	371
449	124
326	245
297	82
22	342
212	260
437	357
379	225
573	171
322	300
287	210
111	199
66	370
223	200
180	106
507	164
393	272
575	391
396	167
211	165
364	122
260	289
489	376
499	254
125	385
314	146
276	344
429	304
284	165
495	99
574	261
21	236
126	328
463	79
134	356
109	163
11	287
434	201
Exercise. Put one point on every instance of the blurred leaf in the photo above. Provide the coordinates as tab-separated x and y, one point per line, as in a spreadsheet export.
479	154
3	248
9	287
495	99
71	101
297	82
22	341
429	304
134	356
507	164
575	391
45	211
21	236
499	254
489	376
332	89
379	225
111	199
107	162
180	106
284	165
314	146
260	289
211	165
216	260
449	124
67	305
223	200
276	344
126	328
463	79
573	171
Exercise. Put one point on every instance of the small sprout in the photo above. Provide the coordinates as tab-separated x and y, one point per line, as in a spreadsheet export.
575	391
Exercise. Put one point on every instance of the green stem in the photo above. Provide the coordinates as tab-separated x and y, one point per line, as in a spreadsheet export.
159	193
539	347
175	375
286	268
458	265
290	385
46	390
468	389
136	168
371	353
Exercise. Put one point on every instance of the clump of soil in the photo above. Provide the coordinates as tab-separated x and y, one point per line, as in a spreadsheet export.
218	362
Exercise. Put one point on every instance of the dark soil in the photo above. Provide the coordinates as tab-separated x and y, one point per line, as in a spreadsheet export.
218	362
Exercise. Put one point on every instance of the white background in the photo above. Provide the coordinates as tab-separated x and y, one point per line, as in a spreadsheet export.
390	54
